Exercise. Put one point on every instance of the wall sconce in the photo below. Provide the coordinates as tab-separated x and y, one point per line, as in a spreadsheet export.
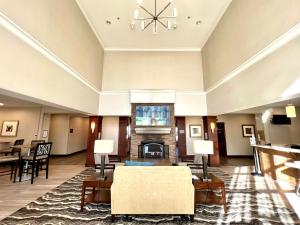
93	126
212	127
290	111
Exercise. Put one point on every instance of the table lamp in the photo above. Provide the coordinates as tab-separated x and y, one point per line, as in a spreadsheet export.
204	148
103	147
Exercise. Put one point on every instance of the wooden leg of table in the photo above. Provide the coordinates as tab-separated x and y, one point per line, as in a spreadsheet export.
94	193
82	198
224	199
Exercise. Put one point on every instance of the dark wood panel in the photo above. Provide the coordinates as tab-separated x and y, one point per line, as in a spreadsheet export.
181	142
209	134
92	136
123	141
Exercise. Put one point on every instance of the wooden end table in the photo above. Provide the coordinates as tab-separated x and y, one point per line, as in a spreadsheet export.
214	184
100	192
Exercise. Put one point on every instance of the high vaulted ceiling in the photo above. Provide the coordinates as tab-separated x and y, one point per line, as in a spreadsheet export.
119	36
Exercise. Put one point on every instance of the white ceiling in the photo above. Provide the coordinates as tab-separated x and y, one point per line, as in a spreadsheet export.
119	36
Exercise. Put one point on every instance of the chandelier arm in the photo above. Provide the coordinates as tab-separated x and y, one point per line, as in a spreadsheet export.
148	18
147	11
163	24
163	9
148	24
166	17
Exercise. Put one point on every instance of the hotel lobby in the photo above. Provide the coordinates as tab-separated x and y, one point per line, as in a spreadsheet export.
149	112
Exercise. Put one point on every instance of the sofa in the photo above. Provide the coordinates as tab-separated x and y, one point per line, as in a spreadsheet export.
152	190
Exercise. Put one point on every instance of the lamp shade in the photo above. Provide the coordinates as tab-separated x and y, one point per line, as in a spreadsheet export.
203	147
104	146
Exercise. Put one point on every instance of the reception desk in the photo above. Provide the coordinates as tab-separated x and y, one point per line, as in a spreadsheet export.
272	161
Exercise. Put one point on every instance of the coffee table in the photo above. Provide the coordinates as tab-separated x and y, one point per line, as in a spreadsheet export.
100	189
208	196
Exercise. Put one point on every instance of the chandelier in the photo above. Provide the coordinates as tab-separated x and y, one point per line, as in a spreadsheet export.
154	18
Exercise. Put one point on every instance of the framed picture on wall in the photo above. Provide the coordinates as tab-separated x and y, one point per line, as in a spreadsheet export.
248	130
10	128
195	131
45	134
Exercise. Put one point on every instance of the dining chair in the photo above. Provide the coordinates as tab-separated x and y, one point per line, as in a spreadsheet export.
41	153
13	161
108	164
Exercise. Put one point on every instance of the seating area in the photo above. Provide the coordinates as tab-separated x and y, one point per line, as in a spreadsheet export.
164	112
22	158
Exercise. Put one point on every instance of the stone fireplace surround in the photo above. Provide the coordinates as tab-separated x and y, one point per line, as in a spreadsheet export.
168	139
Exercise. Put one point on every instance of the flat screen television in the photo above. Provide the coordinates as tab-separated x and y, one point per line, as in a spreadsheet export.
281	120
148	115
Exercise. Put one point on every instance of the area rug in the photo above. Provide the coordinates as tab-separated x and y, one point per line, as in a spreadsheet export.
245	206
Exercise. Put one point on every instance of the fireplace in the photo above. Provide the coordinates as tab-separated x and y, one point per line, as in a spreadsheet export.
153	149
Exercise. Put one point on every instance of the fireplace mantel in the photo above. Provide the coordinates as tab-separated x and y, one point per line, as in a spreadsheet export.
152	130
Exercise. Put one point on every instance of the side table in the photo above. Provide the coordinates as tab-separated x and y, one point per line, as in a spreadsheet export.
214	184
100	192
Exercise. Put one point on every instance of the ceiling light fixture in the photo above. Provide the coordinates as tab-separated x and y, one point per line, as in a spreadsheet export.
154	18
290	111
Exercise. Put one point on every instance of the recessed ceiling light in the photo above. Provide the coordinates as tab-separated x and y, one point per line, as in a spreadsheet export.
198	22
108	22
118	18
188	17
1	104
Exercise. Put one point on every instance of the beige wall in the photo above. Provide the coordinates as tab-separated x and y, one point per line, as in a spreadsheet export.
192	120
272	79
60	27
281	134
78	139
58	135
64	142
246	28
235	142
180	71
28	122
110	130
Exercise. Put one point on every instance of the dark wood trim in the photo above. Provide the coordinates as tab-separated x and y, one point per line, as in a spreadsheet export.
92	136
214	160
123	141
181	142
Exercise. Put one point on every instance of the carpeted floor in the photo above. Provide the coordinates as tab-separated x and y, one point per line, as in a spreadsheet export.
245	206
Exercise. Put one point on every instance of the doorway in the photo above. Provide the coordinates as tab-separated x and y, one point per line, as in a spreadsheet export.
221	139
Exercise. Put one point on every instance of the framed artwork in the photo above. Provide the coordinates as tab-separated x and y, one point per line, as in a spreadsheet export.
195	131
248	130
45	134
10	128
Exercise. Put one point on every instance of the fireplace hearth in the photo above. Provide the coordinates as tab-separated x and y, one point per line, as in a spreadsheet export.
153	149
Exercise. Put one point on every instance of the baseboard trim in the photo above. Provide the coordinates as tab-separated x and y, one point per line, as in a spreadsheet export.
73	153
239	156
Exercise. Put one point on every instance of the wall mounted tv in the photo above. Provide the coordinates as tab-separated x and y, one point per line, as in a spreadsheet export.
281	120
149	115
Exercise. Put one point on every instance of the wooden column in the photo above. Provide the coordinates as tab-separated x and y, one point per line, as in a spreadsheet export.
123	141
209	134
92	136
181	142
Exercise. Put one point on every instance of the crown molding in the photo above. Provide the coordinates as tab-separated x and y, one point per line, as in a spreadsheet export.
35	44
152	49
90	24
269	49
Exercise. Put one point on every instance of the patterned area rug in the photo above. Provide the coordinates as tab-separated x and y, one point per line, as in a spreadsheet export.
245	206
